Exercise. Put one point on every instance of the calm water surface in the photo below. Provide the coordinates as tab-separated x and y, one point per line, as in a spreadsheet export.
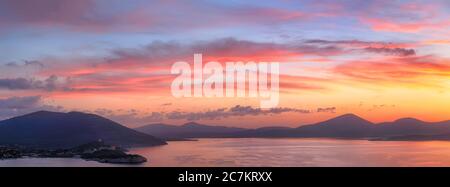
298	152
276	152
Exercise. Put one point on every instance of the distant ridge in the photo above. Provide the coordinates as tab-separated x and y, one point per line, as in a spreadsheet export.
343	126
187	130
65	130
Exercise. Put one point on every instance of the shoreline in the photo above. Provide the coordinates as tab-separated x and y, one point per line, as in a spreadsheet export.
95	151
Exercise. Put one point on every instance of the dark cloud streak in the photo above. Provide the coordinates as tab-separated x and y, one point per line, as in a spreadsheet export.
391	51
237	110
49	84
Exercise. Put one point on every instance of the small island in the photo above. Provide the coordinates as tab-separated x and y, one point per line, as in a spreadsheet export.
96	151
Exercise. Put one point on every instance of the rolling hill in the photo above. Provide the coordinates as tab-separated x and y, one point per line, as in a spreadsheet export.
63	130
188	130
344	126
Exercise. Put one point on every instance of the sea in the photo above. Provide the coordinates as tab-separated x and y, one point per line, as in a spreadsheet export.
290	152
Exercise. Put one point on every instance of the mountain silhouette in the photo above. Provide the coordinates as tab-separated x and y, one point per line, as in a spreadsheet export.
412	126
347	125
63	130
187	130
344	126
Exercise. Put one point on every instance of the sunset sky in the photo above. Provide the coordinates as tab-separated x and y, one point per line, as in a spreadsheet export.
381	60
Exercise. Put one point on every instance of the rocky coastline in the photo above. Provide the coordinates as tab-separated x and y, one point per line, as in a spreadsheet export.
95	151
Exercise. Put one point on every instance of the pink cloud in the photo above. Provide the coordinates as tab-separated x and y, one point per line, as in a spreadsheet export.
148	68
407	27
418	70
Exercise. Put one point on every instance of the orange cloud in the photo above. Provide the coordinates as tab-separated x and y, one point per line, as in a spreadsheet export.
419	70
405	27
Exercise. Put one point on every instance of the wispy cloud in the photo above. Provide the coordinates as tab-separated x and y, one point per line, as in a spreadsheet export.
99	16
416	70
134	117
328	109
51	83
237	110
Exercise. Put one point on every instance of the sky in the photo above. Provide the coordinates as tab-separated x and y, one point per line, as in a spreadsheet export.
381	60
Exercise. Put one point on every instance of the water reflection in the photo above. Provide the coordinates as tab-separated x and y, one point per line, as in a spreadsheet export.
274	152
297	152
